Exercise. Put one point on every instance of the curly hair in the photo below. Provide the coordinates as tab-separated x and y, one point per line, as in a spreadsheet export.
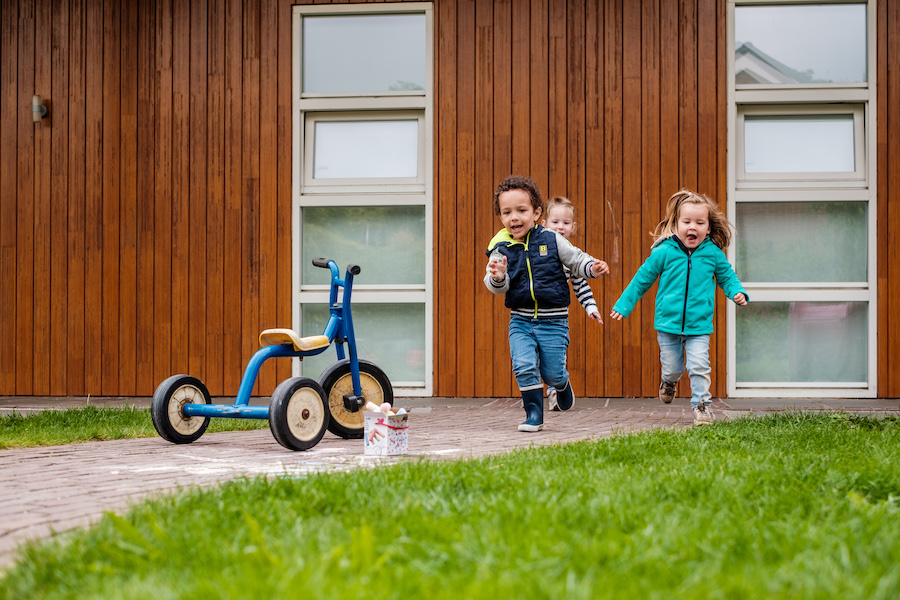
719	227
519	182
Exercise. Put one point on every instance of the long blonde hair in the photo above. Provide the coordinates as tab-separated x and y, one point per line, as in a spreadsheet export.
719	227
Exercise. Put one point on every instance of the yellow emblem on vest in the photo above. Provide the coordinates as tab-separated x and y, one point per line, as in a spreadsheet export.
543	250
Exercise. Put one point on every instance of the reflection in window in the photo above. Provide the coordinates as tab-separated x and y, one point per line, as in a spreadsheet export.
363	53
366	149
801	241
800	44
390	335
799	144
387	242
802	342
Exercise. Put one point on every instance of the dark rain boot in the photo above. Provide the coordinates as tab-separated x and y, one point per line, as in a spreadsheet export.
533	402
565	397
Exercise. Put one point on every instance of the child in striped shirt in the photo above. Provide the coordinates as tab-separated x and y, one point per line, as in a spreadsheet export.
561	219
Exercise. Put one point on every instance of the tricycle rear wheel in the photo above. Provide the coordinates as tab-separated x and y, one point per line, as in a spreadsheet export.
298	416
338	382
167	409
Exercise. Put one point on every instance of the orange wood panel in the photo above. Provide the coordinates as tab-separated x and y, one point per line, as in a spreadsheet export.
93	188
632	204
504	54
593	217
128	234
75	305
650	184
111	170
43	170
885	318
24	301
616	236
670	179
145	381
182	148
268	198
445	196
9	108
162	235
464	240
198	194
882	231
215	199
581	327
233	287
59	176
284	292
891	195
476	349
250	163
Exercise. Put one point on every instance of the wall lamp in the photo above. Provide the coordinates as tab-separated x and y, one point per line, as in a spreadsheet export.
38	110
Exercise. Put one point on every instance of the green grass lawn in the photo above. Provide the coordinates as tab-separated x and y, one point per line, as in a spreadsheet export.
785	506
91	424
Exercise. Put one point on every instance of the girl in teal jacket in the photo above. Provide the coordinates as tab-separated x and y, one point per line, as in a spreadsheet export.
688	259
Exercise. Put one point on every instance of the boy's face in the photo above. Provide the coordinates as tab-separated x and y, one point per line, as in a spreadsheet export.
561	220
516	213
693	224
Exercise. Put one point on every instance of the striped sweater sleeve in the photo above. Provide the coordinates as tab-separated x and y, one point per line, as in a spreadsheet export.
584	294
577	261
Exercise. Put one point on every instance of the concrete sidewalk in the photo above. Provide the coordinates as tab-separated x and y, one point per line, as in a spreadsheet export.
49	490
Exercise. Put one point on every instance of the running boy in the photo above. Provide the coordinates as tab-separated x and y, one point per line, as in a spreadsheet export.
561	219
526	264
687	258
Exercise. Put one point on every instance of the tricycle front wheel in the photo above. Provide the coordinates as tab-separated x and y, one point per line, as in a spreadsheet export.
338	382
167	409
298	417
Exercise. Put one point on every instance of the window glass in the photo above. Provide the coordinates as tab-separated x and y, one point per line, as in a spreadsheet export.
387	242
799	44
799	144
363	53
801	241
802	342
366	149
390	335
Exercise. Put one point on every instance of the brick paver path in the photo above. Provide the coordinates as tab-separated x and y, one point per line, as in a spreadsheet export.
53	489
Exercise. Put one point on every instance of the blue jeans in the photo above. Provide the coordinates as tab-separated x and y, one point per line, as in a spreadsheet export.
538	349
672	352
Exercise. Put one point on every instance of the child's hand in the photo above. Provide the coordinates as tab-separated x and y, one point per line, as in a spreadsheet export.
596	316
599	267
740	298
616	316
497	269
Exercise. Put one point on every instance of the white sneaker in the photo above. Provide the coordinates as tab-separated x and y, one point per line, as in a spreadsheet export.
551	401
702	416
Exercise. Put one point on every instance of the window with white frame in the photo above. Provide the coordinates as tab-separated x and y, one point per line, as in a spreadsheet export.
801	187
363	180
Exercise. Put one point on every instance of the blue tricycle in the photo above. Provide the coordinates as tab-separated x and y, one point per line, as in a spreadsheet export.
301	409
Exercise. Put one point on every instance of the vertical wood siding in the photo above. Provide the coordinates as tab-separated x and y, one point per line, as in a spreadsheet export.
145	225
614	104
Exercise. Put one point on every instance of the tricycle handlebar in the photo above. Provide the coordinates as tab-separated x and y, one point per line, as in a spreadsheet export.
323	263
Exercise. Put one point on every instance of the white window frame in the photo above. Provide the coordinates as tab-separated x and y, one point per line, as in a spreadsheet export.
309	107
860	98
856	178
312	185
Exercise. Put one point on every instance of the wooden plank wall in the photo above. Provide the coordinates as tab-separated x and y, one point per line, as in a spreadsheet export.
888	150
145	225
614	104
